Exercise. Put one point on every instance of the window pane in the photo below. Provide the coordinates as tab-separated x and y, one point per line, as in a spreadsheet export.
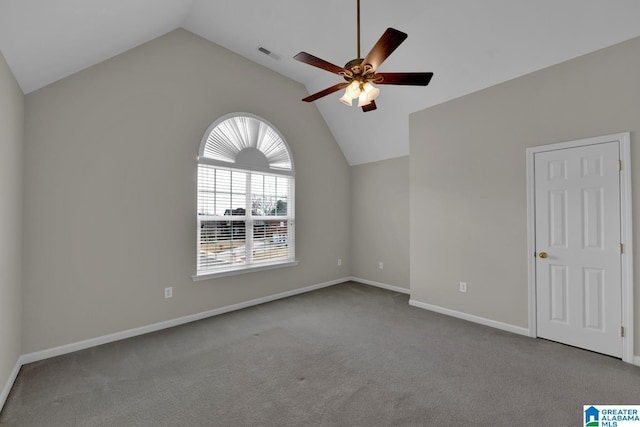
223	181
223	203
282	186
239	182
238	203
281	206
206	192
270	184
270	241
222	243
269	195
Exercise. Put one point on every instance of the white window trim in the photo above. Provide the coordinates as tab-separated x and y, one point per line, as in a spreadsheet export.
249	219
243	270
241	167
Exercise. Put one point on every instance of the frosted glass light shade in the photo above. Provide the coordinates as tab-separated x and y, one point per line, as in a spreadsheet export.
362	100
353	90
371	91
346	99
364	92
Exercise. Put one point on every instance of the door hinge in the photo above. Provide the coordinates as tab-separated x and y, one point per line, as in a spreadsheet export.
619	165
621	248
622	331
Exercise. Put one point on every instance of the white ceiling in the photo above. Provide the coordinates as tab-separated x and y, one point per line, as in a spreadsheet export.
468	44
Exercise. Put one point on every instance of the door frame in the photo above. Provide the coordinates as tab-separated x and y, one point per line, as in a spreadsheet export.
626	232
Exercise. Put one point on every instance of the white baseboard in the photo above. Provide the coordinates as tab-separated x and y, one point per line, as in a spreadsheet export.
93	342
381	285
471	318
4	394
81	345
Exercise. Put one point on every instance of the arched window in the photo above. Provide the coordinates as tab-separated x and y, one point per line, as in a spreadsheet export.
246	193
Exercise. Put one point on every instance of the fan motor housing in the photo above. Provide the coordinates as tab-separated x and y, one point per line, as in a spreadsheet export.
354	66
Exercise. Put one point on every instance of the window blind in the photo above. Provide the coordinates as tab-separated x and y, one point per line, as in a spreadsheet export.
244	218
245	201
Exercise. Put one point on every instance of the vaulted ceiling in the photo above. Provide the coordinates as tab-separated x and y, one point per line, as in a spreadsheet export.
468	44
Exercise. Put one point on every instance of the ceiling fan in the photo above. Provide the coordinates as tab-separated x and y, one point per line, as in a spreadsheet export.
360	74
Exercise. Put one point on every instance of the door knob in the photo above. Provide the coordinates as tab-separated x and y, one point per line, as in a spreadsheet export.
542	255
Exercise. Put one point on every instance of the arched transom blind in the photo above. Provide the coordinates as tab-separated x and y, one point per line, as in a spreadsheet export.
235	134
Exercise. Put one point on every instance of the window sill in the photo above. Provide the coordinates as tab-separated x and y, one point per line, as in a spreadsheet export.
242	270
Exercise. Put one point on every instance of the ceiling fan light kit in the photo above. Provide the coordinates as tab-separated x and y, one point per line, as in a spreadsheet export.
360	74
365	93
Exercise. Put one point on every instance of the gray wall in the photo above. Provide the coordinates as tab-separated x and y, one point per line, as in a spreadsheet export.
11	170
468	183
380	221
111	183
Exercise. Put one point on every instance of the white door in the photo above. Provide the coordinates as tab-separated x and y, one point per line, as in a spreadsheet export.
578	251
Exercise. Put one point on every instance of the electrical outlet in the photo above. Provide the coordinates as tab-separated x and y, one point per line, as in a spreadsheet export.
168	292
339	262
380	265
463	286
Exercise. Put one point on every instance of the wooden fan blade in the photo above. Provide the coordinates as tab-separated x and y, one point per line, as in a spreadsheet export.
326	92
369	107
307	58
389	41
411	79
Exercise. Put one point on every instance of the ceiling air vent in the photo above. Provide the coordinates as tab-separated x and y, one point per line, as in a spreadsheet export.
269	53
